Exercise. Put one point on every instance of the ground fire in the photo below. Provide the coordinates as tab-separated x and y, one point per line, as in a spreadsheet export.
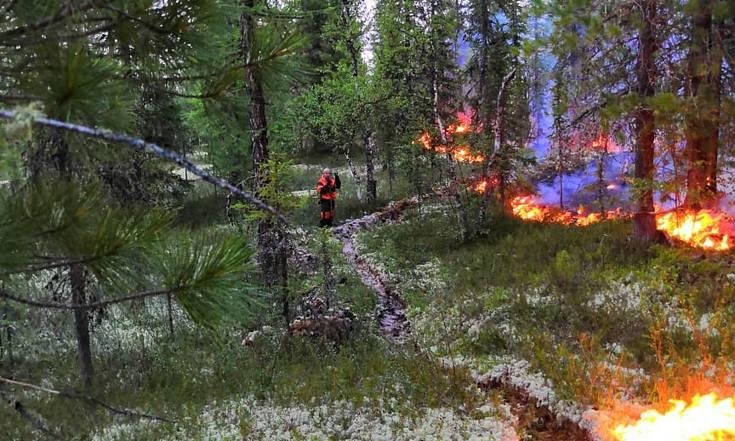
705	229
705	418
528	208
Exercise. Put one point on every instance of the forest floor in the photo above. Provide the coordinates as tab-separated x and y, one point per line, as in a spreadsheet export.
579	317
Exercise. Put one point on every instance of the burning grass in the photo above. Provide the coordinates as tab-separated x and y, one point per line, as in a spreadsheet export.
707	229
704	229
704	418
528	208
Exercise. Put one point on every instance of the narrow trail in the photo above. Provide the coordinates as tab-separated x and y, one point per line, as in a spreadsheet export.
391	307
536	417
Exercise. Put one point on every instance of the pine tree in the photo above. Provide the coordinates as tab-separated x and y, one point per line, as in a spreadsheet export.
64	228
704	65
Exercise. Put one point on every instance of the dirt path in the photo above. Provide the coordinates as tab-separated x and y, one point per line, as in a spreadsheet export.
538	418
391	306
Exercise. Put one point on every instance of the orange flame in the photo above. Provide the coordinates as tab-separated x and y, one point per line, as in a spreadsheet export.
705	229
527	208
603	142
459	153
706	418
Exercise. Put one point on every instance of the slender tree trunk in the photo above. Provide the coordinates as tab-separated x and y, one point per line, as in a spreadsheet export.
498	127
258	122
561	175
267	237
81	323
644	221
259	128
50	158
282	258
371	189
601	187
390	165
463	219
703	122
170	311
355	175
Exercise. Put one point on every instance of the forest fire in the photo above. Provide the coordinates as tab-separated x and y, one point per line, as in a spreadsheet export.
528	208
706	229
705	418
459	153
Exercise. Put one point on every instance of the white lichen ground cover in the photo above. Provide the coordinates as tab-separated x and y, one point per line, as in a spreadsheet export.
445	323
250	419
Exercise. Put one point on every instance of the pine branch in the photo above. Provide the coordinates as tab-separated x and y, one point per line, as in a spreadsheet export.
84	397
62	14
4	294
155	149
44	267
147	25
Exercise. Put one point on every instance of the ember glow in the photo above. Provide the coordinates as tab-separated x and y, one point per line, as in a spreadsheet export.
706	418
706	229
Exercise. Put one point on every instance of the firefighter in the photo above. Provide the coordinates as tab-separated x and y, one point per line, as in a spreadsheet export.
327	188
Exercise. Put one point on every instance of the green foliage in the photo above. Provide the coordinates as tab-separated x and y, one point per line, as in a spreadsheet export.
565	270
78	86
209	269
52	225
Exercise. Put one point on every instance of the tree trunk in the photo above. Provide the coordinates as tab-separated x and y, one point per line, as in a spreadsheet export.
644	221
601	187
282	264
81	323
703	121
50	158
371	189
258	122
355	175
267	240
561	176
170	311
498	127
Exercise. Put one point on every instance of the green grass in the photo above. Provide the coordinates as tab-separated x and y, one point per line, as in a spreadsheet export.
184	374
177	376
545	282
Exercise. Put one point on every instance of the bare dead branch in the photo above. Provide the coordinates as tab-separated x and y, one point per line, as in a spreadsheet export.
44	267
155	149
4	294
84	397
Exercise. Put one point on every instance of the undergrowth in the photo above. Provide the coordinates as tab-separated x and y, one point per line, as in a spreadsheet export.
600	315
